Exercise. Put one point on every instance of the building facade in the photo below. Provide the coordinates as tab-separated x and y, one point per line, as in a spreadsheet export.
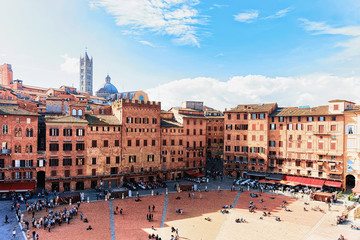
18	139
305	142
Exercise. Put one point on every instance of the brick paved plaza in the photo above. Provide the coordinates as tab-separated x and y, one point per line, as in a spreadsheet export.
191	224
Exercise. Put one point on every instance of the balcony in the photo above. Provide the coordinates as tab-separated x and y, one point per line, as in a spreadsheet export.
5	151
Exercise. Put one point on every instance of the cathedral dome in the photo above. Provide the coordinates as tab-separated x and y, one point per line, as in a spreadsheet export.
107	89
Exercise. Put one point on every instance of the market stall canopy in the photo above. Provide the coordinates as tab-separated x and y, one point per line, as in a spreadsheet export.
194	174
356	189
5	187
268	181
256	174
333	184
274	176
17	187
311	182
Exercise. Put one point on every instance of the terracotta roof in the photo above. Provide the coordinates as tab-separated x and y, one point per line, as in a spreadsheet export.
191	115
55	98
102	119
222	117
295	111
94	97
340	100
40	88
8	102
170	123
187	109
253	108
32	93
66	119
14	110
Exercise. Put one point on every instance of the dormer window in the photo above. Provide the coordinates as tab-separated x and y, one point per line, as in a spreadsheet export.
74	112
80	112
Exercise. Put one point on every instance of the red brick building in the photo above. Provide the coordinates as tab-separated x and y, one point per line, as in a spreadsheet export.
18	139
104	162
246	137
6	74
173	151
140	137
215	137
65	152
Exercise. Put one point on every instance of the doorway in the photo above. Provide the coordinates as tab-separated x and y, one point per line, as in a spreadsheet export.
66	186
40	177
80	185
113	183
55	187
350	181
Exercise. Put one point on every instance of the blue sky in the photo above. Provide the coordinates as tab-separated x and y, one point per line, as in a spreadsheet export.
223	52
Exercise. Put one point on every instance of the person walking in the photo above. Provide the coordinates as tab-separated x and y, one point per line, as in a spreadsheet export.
6	219
14	233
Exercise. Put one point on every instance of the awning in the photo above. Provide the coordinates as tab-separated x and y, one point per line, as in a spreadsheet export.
256	174
311	182
292	184
283	182
356	189
333	184
264	181
194	174
17	187
274	177
5	187
268	181
23	187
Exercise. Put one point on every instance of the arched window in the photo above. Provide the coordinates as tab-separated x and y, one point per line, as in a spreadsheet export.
30	149
27	132
31	132
80	112
16	132
73	112
17	148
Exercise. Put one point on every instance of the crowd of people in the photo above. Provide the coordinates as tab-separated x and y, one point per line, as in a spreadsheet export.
56	218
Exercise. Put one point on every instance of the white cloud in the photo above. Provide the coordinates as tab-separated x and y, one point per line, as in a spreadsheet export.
220	5
350	48
279	14
253	15
146	43
314	89
247	17
177	18
323	28
71	65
